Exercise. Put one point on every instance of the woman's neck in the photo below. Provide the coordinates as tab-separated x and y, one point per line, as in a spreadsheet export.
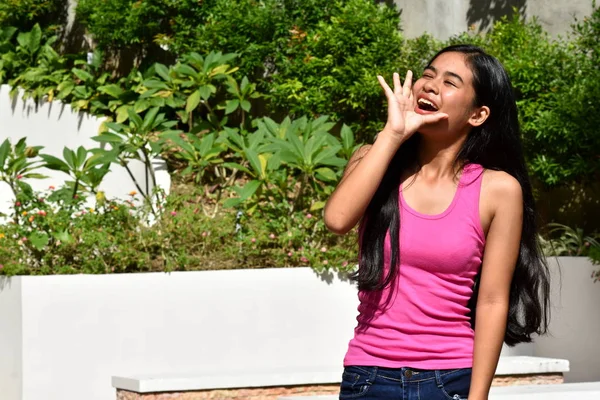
437	158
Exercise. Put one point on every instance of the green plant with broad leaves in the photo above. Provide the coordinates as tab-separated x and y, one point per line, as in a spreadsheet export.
6	51
564	240
198	153
81	88
35	65
288	162
17	163
86	168
137	140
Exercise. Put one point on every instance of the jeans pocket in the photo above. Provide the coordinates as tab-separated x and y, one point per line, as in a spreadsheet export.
356	382
455	384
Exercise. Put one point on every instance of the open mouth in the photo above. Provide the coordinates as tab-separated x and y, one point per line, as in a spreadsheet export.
426	105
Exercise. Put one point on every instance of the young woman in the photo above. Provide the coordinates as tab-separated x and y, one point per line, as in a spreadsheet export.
447	228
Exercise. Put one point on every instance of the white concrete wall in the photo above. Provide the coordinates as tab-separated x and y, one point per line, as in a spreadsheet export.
54	126
79	331
575	323
445	18
11	367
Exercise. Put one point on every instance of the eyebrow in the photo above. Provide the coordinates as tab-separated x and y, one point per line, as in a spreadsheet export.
452	74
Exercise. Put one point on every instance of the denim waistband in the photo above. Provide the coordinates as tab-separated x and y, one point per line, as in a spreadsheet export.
407	374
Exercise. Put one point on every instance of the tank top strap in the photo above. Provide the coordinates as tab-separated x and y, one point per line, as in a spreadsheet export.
470	184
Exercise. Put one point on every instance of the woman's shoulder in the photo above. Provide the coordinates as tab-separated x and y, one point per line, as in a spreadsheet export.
501	187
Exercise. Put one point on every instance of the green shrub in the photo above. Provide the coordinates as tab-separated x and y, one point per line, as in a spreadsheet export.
24	14
555	82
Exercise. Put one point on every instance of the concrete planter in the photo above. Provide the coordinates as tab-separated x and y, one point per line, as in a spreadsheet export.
64	337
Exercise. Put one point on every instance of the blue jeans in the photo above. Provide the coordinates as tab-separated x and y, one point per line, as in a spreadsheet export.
404	383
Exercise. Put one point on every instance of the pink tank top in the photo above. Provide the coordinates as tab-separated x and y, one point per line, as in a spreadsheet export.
421	319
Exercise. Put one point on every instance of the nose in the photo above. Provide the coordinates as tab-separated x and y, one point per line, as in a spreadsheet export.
430	86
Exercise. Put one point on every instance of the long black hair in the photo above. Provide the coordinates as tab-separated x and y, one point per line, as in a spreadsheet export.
495	145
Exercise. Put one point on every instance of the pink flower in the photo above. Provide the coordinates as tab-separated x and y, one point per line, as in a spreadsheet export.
51	187
253	240
42	213
289	254
18	204
323	249
19	176
345	264
309	215
325	262
304	259
1	266
204	234
272	236
23	239
173	213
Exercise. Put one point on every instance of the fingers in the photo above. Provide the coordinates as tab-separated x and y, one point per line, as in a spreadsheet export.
407	88
433	118
397	85
386	88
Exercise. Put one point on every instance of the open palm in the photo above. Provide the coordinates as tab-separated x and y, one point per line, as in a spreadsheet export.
402	119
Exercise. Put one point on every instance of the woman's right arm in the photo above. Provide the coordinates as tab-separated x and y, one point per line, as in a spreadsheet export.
361	179
368	164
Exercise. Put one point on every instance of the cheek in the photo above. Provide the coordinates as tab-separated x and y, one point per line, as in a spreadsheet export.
417	86
455	102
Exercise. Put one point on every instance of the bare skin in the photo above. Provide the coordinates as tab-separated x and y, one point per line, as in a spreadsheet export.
448	86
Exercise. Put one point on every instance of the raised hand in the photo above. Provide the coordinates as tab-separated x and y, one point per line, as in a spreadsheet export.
402	119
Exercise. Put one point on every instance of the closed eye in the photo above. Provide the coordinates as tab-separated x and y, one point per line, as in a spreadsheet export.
450	83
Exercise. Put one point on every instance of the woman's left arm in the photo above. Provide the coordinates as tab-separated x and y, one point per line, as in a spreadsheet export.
499	261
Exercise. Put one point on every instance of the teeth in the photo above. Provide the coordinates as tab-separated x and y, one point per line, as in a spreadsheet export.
427	102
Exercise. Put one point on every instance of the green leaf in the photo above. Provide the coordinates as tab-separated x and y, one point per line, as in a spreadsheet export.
317	205
249	189
206	144
162	71
4	150
83	75
231	106
64	237
141	105
326	174
246	105
347	137
54	163
205	91
149	118
326	154
193	101
81	156
233	202
111	90
134	117
69	156
34	176
108	137
254	161
238	167
39	240
186	70
122	114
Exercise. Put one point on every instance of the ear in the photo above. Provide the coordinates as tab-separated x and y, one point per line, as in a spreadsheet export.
479	116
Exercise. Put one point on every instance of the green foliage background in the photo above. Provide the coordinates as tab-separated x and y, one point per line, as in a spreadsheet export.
256	106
